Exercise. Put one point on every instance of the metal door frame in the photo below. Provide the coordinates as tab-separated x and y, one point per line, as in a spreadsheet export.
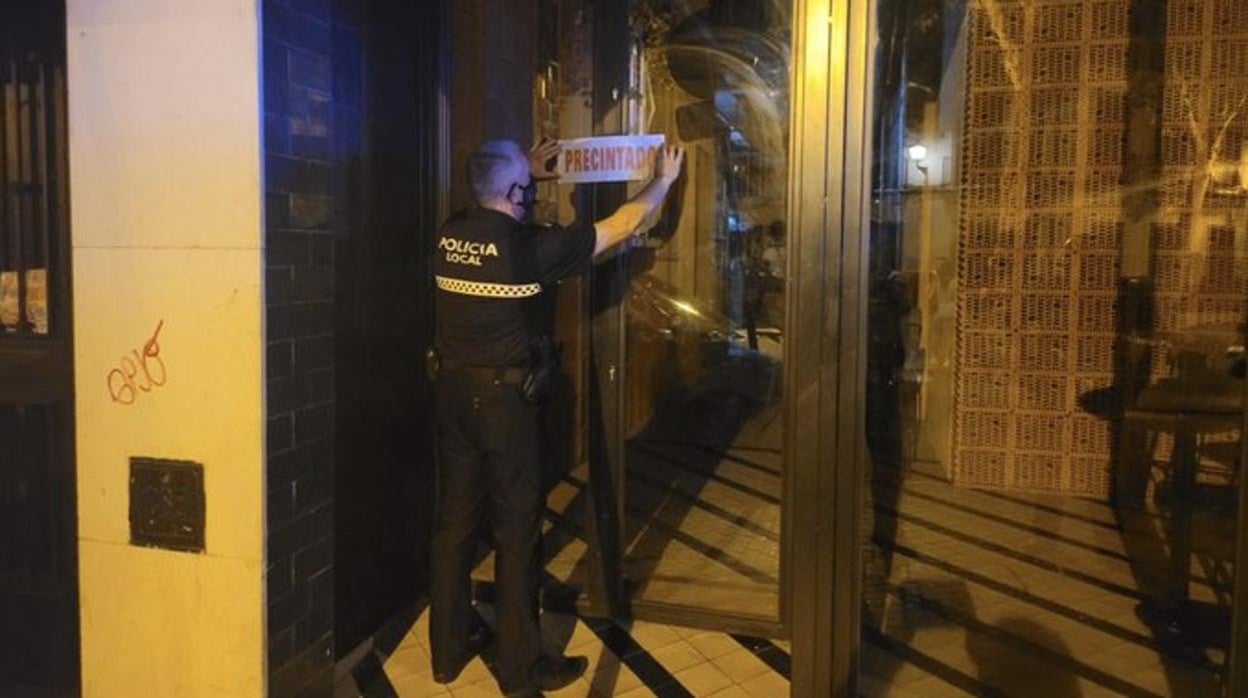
828	148
824	432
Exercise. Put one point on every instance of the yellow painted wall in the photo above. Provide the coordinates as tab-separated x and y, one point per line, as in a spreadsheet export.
165	187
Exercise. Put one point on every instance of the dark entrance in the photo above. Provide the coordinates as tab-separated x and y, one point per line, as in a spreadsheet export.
38	561
384	318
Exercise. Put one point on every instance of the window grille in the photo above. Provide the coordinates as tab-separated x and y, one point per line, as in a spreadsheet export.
32	209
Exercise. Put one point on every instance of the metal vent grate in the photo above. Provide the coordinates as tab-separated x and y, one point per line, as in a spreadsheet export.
167	504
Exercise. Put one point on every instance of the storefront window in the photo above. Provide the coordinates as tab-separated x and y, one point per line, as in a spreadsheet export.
1058	286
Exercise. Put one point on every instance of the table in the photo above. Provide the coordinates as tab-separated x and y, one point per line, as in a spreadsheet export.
1203	396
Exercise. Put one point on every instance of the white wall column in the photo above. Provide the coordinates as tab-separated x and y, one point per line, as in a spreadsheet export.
165	187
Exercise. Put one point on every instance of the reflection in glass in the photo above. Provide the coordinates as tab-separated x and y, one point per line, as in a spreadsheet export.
705	325
1057	292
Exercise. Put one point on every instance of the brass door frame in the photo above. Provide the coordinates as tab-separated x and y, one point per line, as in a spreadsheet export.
828	214
827	152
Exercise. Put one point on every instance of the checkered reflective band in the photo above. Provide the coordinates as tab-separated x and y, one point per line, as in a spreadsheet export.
488	290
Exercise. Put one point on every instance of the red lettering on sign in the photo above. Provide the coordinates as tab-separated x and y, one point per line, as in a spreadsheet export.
612	158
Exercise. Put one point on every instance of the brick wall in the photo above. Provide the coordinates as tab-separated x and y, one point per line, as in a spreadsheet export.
311	88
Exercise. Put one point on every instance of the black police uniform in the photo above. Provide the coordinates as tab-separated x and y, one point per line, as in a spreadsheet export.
490	271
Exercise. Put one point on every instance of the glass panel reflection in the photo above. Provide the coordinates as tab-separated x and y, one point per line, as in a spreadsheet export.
1058	287
705	314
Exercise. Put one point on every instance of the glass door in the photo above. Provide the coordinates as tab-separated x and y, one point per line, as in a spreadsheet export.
689	337
1056	289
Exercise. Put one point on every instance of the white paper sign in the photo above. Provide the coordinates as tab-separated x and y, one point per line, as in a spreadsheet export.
609	158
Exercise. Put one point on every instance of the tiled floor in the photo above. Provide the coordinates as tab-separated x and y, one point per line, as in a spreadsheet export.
702	530
705	532
703	496
978	593
659	660
966	592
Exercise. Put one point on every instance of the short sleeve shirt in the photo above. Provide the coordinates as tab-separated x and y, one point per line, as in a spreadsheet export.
490	272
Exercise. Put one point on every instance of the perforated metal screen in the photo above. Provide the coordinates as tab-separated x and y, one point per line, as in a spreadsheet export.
1043	181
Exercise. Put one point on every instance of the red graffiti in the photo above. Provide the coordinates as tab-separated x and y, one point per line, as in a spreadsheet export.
134	376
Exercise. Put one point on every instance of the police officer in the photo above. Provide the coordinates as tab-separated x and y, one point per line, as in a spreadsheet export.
490	266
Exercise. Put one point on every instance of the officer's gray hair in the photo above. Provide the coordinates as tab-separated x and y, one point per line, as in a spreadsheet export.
493	168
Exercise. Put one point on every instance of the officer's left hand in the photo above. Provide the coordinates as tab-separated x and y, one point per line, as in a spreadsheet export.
544	159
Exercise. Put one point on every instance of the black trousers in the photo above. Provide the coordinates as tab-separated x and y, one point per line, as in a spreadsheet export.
488	470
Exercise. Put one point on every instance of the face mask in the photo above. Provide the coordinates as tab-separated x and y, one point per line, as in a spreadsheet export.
528	194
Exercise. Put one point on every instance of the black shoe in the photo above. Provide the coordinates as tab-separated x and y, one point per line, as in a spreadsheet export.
477	640
554	673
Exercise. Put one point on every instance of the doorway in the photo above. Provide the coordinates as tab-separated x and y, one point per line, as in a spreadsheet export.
390	183
687	418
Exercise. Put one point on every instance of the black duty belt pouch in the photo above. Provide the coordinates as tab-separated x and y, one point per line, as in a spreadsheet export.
545	364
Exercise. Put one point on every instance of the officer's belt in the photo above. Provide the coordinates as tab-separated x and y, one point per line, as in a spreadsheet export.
511	375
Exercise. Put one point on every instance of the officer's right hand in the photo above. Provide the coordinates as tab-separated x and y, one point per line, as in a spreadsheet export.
543	159
667	165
